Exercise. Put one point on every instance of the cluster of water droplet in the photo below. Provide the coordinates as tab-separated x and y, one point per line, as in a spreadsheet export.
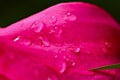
37	27
21	40
60	66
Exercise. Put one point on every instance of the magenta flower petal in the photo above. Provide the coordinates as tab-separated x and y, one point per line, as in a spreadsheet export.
61	43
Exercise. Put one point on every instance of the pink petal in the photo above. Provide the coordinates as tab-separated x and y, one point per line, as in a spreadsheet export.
61	43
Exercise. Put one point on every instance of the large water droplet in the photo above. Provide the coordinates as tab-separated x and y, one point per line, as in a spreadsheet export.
53	19
37	26
70	17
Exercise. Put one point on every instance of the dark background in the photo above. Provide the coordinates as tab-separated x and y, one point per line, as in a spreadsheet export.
14	10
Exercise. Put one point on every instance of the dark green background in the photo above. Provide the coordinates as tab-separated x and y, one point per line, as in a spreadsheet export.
14	10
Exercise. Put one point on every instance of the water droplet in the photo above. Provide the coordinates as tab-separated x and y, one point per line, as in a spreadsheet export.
68	13
53	19
66	58
70	17
37	26
52	31
59	32
106	47
73	63
56	27
56	31
26	42
45	41
76	49
56	56
107	44
62	67
22	40
17	38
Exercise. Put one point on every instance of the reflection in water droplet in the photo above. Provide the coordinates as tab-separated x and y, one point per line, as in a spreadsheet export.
53	19
70	17
37	26
17	38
